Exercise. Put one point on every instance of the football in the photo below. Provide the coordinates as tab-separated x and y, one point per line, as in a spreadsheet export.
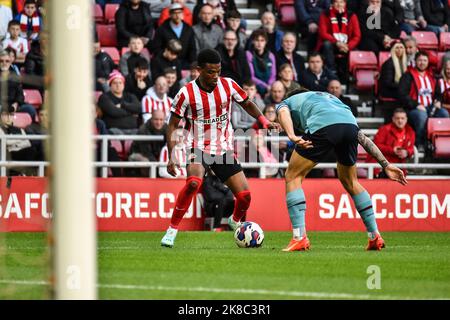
249	235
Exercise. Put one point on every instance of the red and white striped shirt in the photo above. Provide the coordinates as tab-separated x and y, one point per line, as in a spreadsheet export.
152	102
444	85
208	114
425	91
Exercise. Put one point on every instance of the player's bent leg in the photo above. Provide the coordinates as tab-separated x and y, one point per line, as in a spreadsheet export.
363	203
184	199
239	186
298	168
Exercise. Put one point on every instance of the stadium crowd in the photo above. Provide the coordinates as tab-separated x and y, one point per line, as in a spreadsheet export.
145	51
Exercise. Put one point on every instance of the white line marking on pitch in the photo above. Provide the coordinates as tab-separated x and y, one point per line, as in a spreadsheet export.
320	295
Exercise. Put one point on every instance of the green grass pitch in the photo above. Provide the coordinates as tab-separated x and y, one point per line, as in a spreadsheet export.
206	265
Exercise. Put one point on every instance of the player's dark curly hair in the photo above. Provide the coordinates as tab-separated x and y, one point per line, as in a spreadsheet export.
296	91
208	56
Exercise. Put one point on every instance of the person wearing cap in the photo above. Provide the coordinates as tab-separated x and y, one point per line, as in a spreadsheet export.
187	14
120	109
133	18
176	28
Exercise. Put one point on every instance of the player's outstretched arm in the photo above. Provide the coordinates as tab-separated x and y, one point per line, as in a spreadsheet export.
391	171
171	142
284	117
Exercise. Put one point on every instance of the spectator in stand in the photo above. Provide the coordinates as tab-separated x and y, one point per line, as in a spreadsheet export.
5	18
234	61
187	14
133	19
308	13
208	34
241	119
34	67
389	15
157	99
411	50
157	6
120	110
288	54
417	90
395	140
175	28
444	85
139	82
146	151
128	60
15	41
277	93
317	76
193	74
219	200
261	62
167	59
274	35
392	70
286	76
233	22
437	15
30	20
16	150
221	8
339	33
103	3
104	65
172	82
40	127
12	54
178	153
335	88
14	90
412	16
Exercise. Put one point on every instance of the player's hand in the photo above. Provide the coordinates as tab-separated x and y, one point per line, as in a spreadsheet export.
274	126
172	167
395	174
303	144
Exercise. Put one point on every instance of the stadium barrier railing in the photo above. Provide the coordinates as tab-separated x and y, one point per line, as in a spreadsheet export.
104	164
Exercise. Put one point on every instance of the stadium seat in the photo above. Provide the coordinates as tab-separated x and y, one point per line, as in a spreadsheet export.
117	144
287	16
107	35
426	40
442	147
113	53
365	79
444	41
403	35
382	57
22	120
363	65
362	154
98	14
110	12
437	126
33	97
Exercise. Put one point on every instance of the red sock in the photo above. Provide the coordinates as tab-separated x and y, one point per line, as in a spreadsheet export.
241	205
184	200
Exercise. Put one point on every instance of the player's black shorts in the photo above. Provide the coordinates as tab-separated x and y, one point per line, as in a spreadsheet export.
342	138
224	166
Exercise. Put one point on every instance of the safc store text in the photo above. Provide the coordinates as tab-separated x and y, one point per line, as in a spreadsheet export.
141	205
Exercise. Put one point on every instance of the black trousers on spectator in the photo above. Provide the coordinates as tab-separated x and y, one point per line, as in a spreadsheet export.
219	209
335	61
370	44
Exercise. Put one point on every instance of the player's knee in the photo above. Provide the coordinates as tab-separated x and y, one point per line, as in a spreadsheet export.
193	184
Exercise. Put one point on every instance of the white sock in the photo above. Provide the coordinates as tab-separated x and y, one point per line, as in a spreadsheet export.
296	233
372	235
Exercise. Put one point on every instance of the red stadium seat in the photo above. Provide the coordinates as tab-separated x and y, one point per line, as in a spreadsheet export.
438	126
362	153
426	40
22	120
98	14
287	15
442	147
117	144
365	79
444	41
279	3
403	35
362	60
33	97
382	57
110	12
107	35
113	53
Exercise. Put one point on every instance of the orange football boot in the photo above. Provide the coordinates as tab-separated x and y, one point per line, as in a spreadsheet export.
376	244
298	245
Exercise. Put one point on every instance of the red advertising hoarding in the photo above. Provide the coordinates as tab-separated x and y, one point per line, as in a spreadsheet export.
127	204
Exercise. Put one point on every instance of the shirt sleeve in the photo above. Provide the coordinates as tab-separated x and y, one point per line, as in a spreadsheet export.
238	94
180	103
282	104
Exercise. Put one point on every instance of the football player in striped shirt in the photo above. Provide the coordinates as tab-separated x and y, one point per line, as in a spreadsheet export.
205	104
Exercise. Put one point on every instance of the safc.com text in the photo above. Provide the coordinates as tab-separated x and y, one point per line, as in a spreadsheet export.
401	206
107	205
